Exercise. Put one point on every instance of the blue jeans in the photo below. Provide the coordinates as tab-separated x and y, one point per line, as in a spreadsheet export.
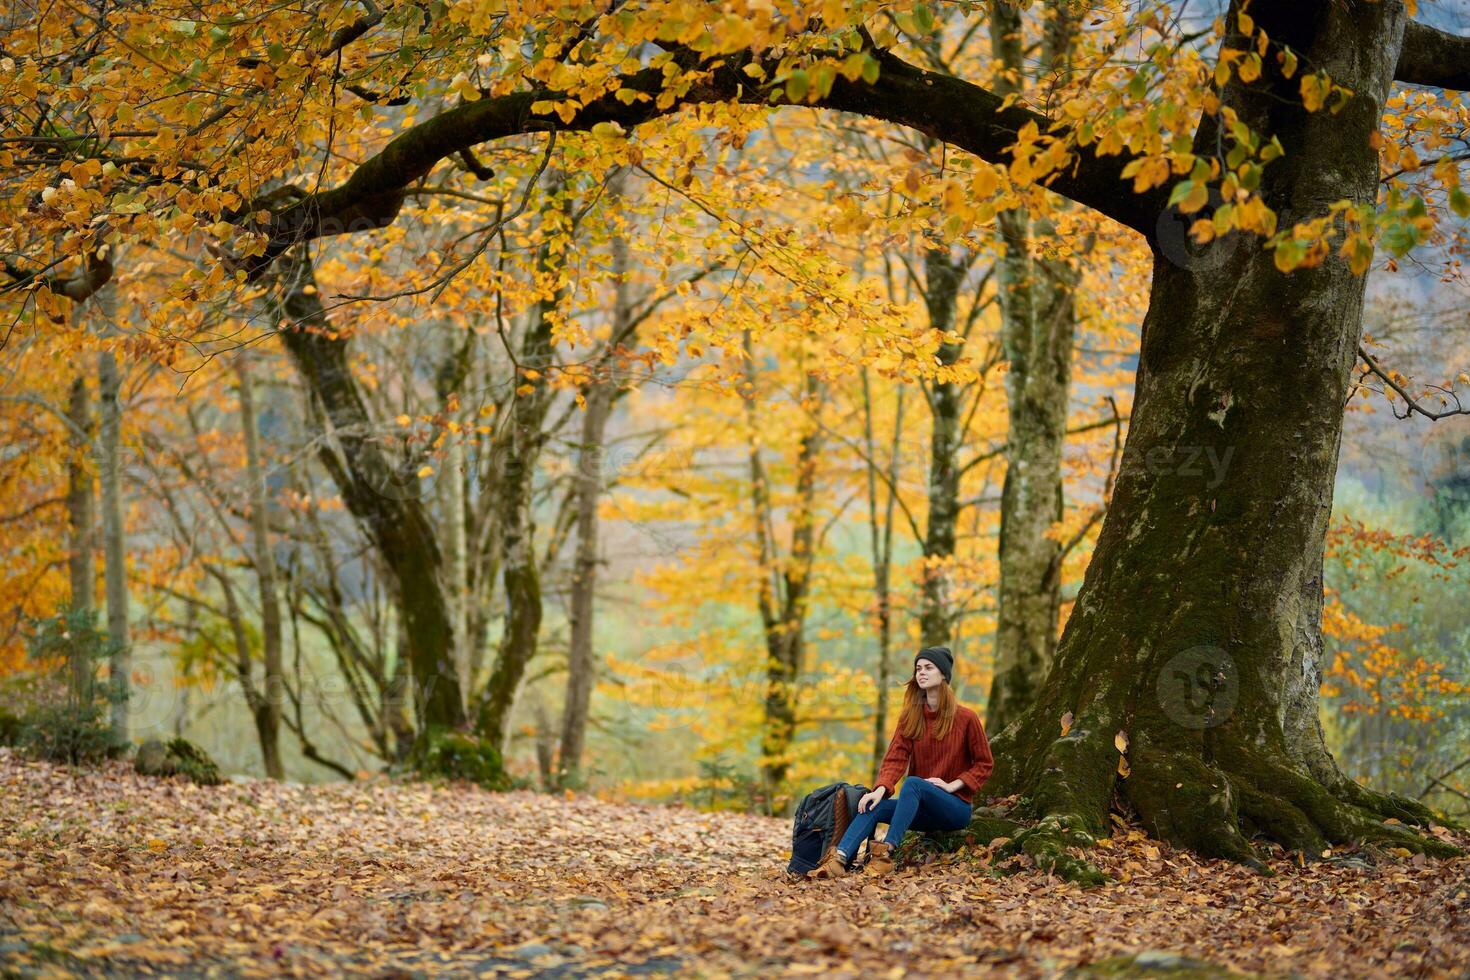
920	805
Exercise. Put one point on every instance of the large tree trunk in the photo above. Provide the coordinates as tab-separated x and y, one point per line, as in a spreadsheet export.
1197	630
114	546
1038	323
943	274
81	508
378	494
268	722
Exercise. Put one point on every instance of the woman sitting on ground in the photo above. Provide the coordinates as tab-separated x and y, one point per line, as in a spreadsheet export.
946	743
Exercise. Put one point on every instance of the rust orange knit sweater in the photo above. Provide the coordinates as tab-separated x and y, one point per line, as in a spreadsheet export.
963	754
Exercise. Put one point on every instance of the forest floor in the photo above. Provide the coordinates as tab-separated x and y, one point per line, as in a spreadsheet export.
106	873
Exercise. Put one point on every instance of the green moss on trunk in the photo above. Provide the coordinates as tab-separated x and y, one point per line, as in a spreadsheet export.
459	756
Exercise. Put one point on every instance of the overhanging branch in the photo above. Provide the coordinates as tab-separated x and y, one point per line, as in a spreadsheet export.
1430	56
946	108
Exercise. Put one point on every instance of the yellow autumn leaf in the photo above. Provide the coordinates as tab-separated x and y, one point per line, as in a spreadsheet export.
1120	741
984	184
426	471
1198	197
1314	92
464	88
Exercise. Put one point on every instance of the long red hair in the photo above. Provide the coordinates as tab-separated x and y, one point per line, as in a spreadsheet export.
911	719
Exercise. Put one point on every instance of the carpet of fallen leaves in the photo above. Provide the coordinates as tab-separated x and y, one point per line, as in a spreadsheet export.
106	873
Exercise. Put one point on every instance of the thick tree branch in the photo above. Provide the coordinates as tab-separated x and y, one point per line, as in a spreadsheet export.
1430	56
95	272
950	109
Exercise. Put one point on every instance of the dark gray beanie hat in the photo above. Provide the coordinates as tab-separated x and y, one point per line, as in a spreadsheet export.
939	657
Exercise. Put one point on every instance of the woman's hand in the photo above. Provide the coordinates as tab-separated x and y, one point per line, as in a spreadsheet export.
870	800
952	786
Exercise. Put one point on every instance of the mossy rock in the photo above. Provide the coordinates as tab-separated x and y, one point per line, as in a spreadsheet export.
178	757
462	756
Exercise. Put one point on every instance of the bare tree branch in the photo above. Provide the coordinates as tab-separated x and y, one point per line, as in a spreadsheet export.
1410	400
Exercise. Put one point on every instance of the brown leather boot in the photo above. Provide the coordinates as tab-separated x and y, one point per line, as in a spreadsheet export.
832	866
880	858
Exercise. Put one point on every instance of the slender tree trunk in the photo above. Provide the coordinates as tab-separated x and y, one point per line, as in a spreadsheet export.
581	661
943	274
397	699
522	581
518	450
453	487
114	546
1039	348
545	747
1038	326
784	585
455	490
384	499
81	507
269	722
1198	628
880	539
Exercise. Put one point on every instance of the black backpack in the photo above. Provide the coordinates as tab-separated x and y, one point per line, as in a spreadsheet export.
821	819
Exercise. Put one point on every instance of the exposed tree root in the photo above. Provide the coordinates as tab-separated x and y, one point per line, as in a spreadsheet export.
1046	844
1391	805
1274	817
1352	814
1182	800
986	826
1215	807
